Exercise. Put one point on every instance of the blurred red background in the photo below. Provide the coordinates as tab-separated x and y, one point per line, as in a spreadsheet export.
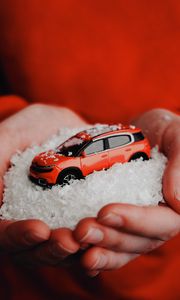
108	61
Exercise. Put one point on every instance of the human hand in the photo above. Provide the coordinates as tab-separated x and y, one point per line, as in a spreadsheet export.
162	128
125	231
121	232
32	241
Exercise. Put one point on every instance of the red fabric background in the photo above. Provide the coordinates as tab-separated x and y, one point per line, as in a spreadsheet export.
105	59
109	61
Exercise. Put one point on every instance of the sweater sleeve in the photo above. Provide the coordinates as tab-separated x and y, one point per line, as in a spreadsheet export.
11	104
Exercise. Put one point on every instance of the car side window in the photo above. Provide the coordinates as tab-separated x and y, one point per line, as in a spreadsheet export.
94	147
118	140
138	136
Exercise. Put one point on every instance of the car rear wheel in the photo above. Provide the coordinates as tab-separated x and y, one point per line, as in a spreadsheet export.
139	155
68	176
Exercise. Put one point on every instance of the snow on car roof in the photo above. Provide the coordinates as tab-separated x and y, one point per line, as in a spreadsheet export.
100	129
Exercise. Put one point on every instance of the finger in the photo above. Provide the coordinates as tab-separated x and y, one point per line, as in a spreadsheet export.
90	232
171	183
154	222
171	179
1	189
162	128
92	273
99	259
60	245
4	163
15	236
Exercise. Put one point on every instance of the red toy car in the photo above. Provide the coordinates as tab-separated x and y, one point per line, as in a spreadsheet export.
91	150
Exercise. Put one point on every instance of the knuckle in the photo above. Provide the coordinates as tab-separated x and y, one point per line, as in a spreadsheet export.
133	214
117	245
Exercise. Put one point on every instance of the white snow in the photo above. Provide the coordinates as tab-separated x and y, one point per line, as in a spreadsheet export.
72	141
138	182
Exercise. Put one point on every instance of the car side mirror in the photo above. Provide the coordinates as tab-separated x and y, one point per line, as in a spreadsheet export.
83	154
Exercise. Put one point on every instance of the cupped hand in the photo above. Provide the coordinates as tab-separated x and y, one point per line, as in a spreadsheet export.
32	241
162	127
122	232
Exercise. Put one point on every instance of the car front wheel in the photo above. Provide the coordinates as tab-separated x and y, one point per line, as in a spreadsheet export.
66	177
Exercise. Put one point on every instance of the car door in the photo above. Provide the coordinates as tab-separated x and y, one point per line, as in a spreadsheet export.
94	157
119	148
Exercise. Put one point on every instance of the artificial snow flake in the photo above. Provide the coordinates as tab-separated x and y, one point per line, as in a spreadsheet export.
137	182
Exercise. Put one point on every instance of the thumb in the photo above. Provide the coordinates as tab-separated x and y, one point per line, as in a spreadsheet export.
171	179
1	189
3	168
8	141
171	183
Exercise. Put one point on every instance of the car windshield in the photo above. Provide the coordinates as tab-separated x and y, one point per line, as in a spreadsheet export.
72	146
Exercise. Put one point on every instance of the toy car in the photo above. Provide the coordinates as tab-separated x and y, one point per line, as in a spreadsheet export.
90	150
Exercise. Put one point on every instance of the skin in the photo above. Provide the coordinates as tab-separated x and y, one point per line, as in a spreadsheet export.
120	232
32	242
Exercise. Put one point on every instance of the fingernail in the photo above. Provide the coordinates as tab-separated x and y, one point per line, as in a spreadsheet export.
93	273
33	237
100	262
58	249
93	235
177	195
111	219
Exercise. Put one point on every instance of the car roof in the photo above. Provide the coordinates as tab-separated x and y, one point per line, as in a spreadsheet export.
106	130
